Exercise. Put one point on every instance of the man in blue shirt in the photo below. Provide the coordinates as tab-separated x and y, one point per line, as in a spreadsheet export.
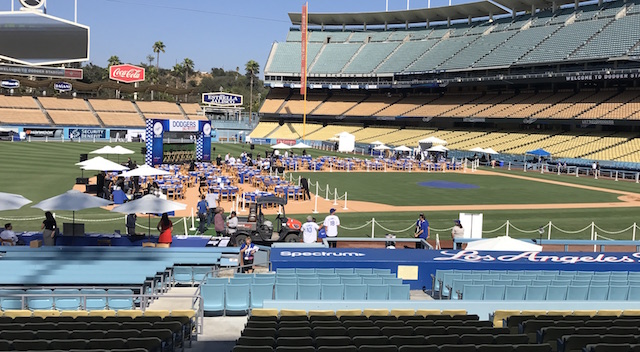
422	230
203	209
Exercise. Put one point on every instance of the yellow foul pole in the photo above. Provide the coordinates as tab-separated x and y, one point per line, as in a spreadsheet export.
303	67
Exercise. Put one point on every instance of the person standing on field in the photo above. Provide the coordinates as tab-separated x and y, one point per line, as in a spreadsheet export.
331	224
310	231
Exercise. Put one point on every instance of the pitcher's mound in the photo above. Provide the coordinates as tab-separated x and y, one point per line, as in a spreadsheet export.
447	184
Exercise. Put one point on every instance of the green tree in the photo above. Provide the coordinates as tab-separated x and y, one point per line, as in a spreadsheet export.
252	68
150	59
114	60
187	65
158	47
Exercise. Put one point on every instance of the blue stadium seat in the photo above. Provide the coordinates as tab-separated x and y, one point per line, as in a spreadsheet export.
330	280
44	300
325	271
493	292
355	292
264	280
372	281
213	297
287	280
458	284
515	293
556	293
7	302
97	300
183	274
618	293
237	298
117	303
399	292
509	277
286	291
308	281
200	272
577	282
286	271
310	292
241	280
490	277
392	281
305	271
472	292
67	303
351	280
577	293
332	292
381	271
598	293
378	292
521	282
260	293
501	282
217	281
536	293
341	271
634	293
363	270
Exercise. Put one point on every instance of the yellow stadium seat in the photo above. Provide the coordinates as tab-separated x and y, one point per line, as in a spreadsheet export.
325	313
264	312
74	313
19	313
535	313
102	313
562	313
402	312
500	315
609	312
184	313
632	312
453	312
46	313
157	313
129	313
583	313
292	312
425	312
348	313
370	312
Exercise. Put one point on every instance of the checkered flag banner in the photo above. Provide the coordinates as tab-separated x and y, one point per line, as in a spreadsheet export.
148	133
199	146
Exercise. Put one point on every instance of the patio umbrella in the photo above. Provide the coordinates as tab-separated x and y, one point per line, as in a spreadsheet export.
149	204
503	243
301	145
10	201
381	147
402	148
101	164
376	143
144	170
118	150
438	148
71	200
477	150
432	140
280	146
107	149
490	151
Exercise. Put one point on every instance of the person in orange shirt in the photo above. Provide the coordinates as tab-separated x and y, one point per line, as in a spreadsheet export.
165	226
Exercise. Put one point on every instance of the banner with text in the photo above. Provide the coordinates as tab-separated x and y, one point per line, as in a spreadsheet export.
183	126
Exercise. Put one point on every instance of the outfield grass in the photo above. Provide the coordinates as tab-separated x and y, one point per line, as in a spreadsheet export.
402	188
41	170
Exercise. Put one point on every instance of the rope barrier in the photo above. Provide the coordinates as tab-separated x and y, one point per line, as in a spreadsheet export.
570	232
496	230
447	229
356	228
613	232
90	220
23	219
606	238
526	231
395	231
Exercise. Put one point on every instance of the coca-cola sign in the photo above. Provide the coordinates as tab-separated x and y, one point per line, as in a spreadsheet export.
126	73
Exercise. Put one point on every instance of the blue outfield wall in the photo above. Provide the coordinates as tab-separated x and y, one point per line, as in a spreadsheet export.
428	261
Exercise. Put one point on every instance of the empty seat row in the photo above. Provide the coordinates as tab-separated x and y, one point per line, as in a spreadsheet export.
436	325
333	270
354	331
331	279
190	274
67	299
550	293
134	344
360	314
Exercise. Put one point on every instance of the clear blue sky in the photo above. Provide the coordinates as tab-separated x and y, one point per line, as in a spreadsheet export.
213	33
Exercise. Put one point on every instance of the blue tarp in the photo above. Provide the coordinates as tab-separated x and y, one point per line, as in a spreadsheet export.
538	152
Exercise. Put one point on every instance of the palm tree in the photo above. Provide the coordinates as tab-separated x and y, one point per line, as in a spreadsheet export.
158	47
150	59
187	65
252	68
178	69
114	60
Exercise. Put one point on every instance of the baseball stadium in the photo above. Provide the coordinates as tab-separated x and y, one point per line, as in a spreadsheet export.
448	179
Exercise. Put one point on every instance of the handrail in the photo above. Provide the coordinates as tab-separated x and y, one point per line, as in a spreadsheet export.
425	244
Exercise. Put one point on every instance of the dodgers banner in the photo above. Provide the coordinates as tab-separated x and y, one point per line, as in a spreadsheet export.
183	126
428	261
87	133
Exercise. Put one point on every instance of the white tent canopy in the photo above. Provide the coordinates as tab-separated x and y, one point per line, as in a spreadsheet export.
377	143
381	147
490	151
144	170
121	150
402	148
432	140
346	142
503	243
477	150
71	200
301	145
101	164
438	148
107	149
10	201
280	146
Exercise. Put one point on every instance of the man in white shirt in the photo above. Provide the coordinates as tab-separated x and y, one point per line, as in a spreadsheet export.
8	235
310	231
330	225
232	223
